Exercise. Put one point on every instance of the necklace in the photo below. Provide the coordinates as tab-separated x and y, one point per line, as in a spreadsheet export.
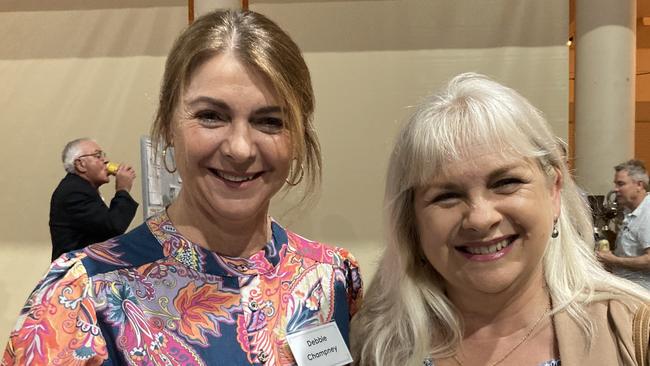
522	341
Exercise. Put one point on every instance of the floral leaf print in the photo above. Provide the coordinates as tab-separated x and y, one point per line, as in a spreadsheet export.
36	338
60	326
307	312
119	293
141	285
147	342
103	252
202	308
157	270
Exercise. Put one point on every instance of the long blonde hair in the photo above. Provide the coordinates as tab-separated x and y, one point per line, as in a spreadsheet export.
406	315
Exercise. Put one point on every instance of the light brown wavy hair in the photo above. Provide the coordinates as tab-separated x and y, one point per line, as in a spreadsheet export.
267	50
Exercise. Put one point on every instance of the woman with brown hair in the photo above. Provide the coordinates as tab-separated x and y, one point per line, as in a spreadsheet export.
214	279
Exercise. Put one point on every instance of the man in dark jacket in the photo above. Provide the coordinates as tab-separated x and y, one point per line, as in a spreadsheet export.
78	214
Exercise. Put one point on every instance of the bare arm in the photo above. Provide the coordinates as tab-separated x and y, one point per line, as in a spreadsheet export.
640	263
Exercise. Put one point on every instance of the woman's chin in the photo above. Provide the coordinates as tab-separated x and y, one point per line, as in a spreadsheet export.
238	210
492	282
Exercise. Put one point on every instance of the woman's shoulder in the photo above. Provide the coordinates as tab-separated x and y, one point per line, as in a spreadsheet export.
67	268
320	252
616	313
132	249
619	303
620	316
44	329
338	261
622	312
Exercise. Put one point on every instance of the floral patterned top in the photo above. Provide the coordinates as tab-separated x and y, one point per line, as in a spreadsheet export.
152	297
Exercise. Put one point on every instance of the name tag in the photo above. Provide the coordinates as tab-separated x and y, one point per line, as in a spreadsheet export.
319	346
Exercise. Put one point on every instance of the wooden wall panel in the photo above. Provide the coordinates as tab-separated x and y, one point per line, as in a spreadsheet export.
642	141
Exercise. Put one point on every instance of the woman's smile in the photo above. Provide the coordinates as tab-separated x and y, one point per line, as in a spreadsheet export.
236	179
487	250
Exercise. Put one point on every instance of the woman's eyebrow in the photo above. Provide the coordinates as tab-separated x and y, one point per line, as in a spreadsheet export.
450	185
207	100
502	170
446	186
268	110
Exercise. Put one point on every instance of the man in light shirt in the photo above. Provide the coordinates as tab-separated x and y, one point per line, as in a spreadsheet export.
631	258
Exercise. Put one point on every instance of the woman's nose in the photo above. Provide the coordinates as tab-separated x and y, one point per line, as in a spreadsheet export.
238	144
481	216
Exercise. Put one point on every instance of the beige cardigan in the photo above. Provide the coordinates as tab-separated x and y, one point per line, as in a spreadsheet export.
612	343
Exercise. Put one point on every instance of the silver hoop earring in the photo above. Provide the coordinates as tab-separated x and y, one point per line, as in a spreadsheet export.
164	161
302	174
555	233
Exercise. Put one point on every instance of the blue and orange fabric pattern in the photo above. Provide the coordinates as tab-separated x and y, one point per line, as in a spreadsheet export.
152	297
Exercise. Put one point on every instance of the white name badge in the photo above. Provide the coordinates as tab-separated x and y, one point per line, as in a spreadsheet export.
319	346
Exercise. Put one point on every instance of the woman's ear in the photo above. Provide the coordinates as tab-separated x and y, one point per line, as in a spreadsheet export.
169	138
556	191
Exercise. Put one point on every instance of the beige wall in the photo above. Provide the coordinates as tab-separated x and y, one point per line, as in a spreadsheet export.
70	69
87	68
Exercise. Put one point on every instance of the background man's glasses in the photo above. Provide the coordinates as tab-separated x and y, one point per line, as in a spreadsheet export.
99	155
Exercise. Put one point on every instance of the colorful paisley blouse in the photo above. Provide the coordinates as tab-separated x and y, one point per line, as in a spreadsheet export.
152	297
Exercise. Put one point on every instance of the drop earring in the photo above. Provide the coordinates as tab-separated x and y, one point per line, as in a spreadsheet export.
555	233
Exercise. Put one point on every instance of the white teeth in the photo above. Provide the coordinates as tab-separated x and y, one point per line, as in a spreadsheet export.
235	178
488	249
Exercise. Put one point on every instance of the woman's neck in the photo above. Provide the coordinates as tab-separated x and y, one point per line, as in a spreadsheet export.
506	332
241	238
500	315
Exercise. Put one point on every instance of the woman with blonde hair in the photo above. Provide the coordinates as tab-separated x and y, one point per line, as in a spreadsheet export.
489	257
